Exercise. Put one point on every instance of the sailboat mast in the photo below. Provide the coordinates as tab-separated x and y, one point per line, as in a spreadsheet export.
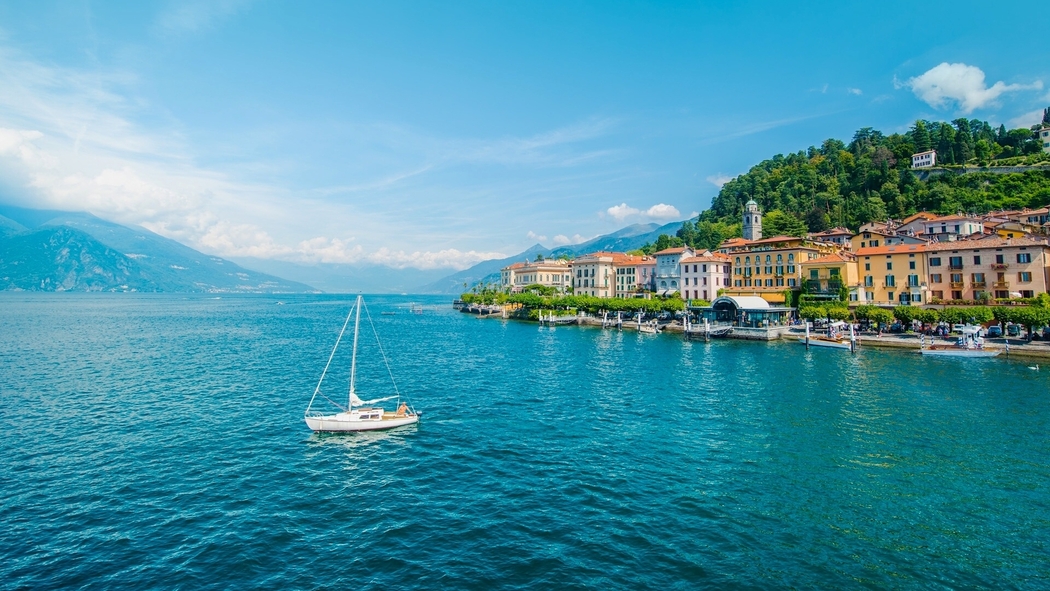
353	358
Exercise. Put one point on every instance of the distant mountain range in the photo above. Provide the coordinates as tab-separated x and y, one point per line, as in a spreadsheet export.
63	251
42	250
630	238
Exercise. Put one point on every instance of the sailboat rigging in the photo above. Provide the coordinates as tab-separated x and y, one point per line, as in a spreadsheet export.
358	415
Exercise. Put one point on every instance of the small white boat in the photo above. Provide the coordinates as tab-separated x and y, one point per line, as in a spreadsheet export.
970	344
832	339
358	415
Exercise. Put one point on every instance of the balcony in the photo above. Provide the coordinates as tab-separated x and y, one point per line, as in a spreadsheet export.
1001	284
1000	266
954	267
956	284
979	284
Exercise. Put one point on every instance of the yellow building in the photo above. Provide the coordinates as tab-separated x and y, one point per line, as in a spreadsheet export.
824	277
769	267
893	275
547	272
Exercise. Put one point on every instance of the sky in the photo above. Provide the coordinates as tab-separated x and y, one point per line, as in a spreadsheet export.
435	135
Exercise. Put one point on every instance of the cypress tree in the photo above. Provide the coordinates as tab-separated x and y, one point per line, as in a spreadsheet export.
920	136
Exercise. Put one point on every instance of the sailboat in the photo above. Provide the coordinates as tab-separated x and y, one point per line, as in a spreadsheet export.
358	415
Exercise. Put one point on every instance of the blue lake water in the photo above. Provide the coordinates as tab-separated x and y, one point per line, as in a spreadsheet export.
158	442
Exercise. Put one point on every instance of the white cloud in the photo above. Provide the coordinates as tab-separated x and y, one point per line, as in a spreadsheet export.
961	84
855	91
432	260
660	211
622	211
719	180
534	236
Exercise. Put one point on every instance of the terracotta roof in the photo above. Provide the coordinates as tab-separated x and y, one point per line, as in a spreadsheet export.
838	231
674	250
895	249
992	241
920	215
720	258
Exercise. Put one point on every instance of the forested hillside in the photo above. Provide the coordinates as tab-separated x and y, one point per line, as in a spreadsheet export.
839	184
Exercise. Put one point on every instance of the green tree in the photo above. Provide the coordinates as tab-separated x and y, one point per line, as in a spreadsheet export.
920	136
778	223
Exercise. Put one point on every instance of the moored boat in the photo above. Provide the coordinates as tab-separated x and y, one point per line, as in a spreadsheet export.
970	344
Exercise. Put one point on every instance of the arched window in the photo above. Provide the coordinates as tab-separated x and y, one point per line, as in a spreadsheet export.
663	284
780	258
767	259
791	257
738	261
747	261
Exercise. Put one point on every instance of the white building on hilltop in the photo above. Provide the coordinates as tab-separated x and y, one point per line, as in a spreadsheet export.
924	159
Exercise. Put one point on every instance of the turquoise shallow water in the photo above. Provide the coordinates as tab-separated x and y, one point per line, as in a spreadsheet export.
158	442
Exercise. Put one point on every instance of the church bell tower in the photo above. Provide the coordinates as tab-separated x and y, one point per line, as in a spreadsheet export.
752	221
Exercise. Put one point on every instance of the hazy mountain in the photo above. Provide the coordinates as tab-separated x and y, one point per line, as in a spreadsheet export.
60	258
43	250
630	238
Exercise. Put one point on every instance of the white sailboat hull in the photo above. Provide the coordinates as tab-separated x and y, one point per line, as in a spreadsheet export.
817	342
343	422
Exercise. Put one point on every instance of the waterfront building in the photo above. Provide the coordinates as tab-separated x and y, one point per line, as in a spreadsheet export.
825	276
893	275
669	269
951	227
547	272
1044	137
634	274
924	159
750	316
768	267
752	221
595	274
704	275
838	236
993	267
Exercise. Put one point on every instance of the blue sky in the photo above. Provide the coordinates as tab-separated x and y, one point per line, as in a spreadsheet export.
435	135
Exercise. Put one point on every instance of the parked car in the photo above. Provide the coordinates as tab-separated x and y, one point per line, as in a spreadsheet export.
1013	330
1046	333
995	331
896	327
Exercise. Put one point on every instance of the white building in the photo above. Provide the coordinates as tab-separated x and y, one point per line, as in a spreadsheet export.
924	159
548	273
669	269
704	275
634	274
951	227
1044	137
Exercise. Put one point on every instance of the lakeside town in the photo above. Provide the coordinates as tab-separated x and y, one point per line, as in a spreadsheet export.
922	274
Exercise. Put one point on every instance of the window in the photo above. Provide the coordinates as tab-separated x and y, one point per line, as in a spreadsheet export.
889	265
791	257
780	258
913	281
955	262
768	259
791	268
911	265
957	278
999	259
891	281
833	272
935	278
956	295
1024	257
937	294
977	260
747	260
934	261
1024	277
978	279
867	266
791	282
738	261
869	281
889	295
1027	293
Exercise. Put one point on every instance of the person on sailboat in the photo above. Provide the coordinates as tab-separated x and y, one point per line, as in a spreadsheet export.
402	410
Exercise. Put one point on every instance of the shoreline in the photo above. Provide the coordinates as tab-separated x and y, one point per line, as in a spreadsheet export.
1030	350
